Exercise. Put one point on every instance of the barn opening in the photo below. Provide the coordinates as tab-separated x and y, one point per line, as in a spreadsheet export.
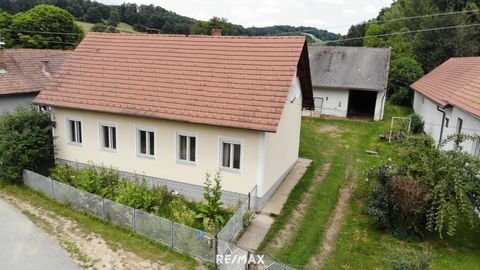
361	104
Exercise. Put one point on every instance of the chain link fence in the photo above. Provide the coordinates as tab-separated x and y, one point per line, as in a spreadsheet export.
195	242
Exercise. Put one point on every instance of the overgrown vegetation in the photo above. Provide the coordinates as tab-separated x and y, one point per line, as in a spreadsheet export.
425	189
26	142
107	182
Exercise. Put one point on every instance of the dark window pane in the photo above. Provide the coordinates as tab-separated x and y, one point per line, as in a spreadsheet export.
106	137
113	130
192	148
79	130
152	143
143	142
72	131
183	148
226	155
236	156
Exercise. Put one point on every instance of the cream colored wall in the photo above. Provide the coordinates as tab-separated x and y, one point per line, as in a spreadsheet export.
282	147
165	164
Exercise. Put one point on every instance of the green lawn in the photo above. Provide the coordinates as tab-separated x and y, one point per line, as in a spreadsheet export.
115	237
122	27
359	246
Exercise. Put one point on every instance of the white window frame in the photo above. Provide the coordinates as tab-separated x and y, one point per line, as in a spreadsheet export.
109	124
68	133
177	147
137	142
222	140
476	146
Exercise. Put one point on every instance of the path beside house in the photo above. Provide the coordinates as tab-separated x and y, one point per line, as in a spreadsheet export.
261	223
23	246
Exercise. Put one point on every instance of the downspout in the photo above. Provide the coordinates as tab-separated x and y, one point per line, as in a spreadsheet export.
382	107
443	124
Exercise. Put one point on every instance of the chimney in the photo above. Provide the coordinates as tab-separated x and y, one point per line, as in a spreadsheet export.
45	68
216	31
3	58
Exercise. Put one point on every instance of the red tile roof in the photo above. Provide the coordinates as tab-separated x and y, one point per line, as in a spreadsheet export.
456	82
240	82
24	69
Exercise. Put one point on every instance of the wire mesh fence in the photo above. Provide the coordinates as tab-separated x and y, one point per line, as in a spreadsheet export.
178	236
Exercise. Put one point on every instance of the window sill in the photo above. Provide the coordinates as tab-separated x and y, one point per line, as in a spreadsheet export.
146	157
75	144
230	170
186	162
108	150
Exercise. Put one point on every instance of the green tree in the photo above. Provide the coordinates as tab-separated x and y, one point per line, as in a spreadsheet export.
5	31
26	142
403	71
46	27
205	28
93	15
212	212
114	18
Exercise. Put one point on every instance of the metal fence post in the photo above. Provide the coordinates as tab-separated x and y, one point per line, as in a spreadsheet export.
249	194
103	209
53	189
173	232
134	220
215	244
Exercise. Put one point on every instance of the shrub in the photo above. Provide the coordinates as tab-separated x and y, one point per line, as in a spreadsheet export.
212	212
417	124
26	142
136	195
64	173
410	259
181	213
426	189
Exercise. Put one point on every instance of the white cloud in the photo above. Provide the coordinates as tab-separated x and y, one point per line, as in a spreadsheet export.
333	15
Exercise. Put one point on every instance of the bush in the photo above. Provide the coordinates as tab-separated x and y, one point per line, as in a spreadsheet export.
410	259
398	203
417	125
404	70
425	189
107	183
26	142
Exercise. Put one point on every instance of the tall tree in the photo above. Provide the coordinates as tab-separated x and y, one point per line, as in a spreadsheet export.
46	27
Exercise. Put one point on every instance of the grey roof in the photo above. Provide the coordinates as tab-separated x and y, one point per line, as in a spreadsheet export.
349	67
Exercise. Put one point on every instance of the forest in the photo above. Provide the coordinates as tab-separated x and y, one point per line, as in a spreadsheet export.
447	29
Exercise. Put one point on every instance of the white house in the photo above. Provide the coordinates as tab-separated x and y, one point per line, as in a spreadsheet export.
448	99
24	73
349	81
171	108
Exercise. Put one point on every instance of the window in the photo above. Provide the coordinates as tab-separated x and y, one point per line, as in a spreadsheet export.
74	131
476	146
230	154
186	150
459	125
146	142
108	136
447	121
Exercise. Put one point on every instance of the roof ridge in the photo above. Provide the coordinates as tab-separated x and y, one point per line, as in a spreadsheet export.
194	36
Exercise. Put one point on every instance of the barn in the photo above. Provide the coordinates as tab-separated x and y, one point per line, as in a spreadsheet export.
349	81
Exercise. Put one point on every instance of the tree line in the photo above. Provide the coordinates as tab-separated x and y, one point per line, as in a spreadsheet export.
150	18
418	53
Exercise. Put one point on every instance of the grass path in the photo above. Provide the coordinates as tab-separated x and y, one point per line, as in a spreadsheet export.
338	143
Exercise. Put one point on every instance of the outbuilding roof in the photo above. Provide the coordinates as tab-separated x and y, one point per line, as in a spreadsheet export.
240	82
21	71
349	67
456	82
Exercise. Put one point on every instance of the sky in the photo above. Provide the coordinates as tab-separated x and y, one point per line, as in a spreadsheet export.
333	15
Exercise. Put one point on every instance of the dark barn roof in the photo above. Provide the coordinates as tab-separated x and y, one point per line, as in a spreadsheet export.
350	67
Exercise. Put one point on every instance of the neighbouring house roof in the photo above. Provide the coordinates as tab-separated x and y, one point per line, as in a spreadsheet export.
22	70
240	82
456	82
350	67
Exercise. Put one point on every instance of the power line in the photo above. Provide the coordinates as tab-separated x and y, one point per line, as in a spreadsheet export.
408	18
407	32
43	32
